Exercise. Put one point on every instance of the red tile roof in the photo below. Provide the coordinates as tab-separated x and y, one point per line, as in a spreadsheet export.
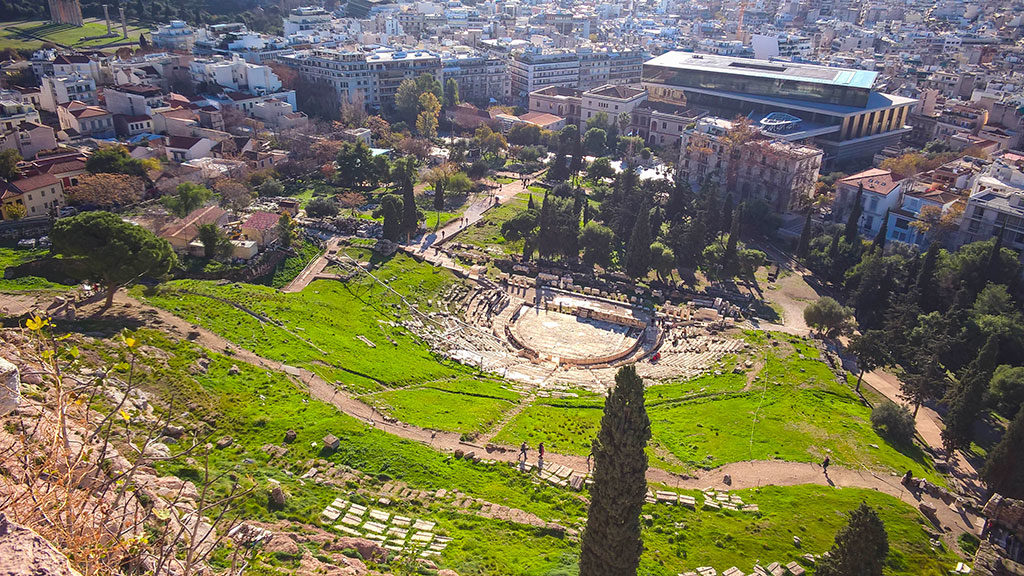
874	180
261	221
34	182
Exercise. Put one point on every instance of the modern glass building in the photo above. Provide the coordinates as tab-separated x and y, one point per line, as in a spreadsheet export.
836	107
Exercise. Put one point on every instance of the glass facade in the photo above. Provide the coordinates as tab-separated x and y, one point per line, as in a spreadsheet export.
757	85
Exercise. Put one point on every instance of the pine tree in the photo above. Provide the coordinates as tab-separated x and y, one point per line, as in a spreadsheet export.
860	549
926	279
803	247
1004	468
852	221
611	543
966	399
871	298
638	251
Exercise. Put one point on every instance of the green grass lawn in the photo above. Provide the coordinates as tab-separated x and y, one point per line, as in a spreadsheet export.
564	425
454	207
462	405
319	327
256	407
794	411
679	540
19	35
17	256
487	232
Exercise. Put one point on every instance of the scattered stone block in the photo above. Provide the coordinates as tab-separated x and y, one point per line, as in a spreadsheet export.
424	525
290	436
331	514
379	515
331	442
352	520
734	571
349	531
374	527
224	442
795	569
401	521
422	537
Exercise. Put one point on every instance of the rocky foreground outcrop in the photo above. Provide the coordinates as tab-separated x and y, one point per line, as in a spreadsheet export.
25	553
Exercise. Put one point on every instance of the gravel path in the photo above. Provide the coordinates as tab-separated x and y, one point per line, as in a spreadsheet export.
750	474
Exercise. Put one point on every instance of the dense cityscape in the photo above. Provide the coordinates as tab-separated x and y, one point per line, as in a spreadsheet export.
515	287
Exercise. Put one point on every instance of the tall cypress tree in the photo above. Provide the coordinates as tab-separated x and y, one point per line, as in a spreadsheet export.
803	247
850	233
926	279
860	549
611	542
638	251
1004	468
995	260
879	241
966	399
730	262
727	209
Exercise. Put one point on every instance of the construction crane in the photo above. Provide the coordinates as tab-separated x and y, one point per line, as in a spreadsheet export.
739	21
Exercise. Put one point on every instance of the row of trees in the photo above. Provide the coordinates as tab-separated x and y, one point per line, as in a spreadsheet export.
947	320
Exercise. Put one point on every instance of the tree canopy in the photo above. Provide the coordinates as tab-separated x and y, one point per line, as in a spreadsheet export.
110	250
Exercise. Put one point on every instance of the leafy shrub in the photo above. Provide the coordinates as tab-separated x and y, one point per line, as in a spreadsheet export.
893	422
968	543
321	208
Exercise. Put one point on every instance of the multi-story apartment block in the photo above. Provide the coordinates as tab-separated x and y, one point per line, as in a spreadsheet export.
236	74
13	113
480	77
57	90
133	99
390	67
371	78
532	71
780	173
176	35
585	68
780	46
996	205
305	19
346	72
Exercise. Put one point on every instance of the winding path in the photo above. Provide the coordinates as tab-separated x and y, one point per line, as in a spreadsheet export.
748	474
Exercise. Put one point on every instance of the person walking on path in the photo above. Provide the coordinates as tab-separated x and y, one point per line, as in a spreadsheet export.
522	452
824	465
540	458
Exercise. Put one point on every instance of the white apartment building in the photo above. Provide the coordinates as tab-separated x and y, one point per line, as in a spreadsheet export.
236	74
531	71
305	19
479	77
57	90
133	99
177	35
996	203
767	46
368	77
13	113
